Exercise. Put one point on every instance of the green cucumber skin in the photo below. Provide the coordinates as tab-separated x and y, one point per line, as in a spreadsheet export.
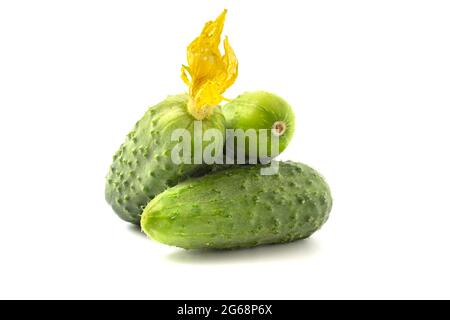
239	208
260	110
142	167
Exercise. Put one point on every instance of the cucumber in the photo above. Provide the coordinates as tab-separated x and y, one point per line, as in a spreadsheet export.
238	208
143	168
265	112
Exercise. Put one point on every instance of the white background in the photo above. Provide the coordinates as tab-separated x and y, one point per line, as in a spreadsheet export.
370	84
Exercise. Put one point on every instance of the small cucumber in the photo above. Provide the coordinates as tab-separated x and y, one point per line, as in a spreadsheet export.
260	110
239	207
143	166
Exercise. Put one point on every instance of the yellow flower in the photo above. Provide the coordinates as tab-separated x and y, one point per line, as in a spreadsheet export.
209	73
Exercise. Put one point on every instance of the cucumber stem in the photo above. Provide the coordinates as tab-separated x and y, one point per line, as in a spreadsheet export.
279	128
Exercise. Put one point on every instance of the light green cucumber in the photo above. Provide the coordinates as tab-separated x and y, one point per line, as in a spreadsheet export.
260	110
239	207
143	167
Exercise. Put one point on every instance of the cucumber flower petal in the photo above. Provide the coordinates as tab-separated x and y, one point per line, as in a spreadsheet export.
209	73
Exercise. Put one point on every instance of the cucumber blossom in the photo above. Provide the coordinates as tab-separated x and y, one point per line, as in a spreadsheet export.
238	207
266	113
143	167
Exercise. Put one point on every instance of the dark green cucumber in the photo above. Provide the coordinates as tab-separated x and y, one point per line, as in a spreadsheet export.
142	167
239	207
264	111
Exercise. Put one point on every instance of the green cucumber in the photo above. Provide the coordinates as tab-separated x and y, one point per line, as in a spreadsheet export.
142	167
264	111
239	207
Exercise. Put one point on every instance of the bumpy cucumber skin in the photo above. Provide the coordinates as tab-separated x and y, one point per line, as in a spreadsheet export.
142	167
239	208
260	110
